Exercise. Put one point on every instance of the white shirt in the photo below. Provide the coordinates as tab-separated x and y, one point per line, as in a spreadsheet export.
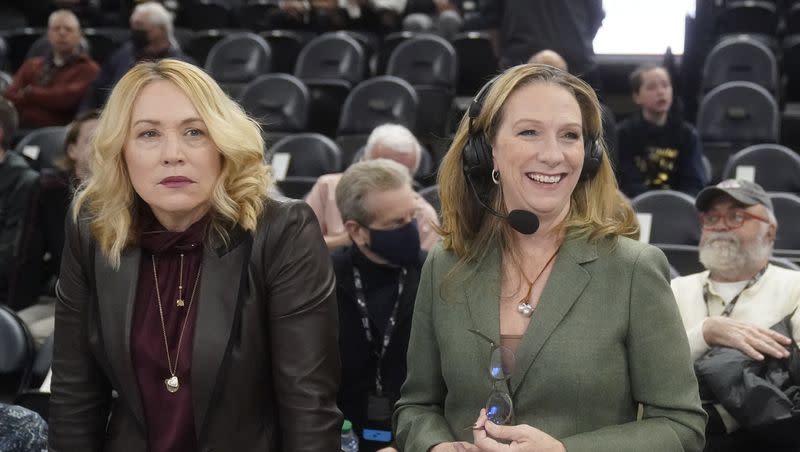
767	302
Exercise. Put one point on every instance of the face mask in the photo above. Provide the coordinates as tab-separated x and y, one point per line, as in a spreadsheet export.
399	246
139	39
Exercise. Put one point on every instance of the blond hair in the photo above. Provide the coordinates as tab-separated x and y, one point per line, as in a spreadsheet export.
108	197
468	230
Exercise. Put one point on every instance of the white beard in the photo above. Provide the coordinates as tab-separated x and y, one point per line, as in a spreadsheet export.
723	253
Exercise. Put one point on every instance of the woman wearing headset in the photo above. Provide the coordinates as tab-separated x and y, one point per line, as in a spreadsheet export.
536	311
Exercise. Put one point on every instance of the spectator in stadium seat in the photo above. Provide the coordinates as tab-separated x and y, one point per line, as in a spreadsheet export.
151	39
740	296
552	58
187	271
19	187
390	141
57	189
525	27
657	150
46	91
376	283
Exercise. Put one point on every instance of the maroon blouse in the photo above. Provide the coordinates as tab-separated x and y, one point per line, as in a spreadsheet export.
169	417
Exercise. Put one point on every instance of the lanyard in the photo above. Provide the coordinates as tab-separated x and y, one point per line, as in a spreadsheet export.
387	337
729	308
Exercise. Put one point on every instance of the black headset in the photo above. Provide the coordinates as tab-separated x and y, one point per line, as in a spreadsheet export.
477	154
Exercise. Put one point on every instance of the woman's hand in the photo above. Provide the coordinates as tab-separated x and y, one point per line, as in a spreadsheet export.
490	437
461	446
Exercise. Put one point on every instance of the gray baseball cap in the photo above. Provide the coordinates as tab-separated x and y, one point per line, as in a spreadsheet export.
745	192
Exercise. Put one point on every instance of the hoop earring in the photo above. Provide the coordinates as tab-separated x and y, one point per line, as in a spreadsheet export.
496	177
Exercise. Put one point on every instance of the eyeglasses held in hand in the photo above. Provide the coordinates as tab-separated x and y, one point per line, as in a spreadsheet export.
732	219
499	406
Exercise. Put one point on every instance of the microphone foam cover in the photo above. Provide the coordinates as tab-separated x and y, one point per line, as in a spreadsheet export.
523	221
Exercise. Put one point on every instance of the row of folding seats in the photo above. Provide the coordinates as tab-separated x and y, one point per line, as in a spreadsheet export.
766	17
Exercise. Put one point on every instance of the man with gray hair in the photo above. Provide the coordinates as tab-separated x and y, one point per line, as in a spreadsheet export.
151	39
376	284
389	141
740	296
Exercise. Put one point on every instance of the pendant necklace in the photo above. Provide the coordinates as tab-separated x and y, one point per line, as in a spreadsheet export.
172	382
524	307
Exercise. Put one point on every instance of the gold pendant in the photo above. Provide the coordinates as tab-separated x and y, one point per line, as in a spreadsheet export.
172	384
179	302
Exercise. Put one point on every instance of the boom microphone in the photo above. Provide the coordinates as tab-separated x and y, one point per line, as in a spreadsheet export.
522	221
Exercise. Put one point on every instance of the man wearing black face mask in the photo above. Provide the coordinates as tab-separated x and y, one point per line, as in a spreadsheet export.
151	39
377	278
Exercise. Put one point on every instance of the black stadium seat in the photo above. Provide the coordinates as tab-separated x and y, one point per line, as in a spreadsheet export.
238	59
44	147
477	62
748	16
202	41
741	58
734	115
330	65
286	46
18	41
312	154
279	102
390	42
5	81
205	14
777	168
256	14
674	216
380	100
787	212
429	64
738	111
16	354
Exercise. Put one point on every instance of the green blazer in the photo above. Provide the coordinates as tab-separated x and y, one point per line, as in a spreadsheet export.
605	337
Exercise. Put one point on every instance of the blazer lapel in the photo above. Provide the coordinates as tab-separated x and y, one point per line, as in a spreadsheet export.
482	292
221	292
566	283
116	293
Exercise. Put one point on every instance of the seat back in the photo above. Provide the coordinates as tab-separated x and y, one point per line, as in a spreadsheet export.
311	154
425	60
777	168
16	354
741	58
280	102
19	41
431	194
674	216
205	14
332	56
477	61
380	100
43	148
389	44
239	58
202	41
286	46
787	212
5	81
739	112
748	16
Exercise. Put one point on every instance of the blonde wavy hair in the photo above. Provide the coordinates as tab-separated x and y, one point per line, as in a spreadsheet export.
108	198
595	209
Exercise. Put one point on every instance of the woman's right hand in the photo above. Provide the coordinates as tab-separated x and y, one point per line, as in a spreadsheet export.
460	446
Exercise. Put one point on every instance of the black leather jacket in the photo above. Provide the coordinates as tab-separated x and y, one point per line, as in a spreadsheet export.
265	366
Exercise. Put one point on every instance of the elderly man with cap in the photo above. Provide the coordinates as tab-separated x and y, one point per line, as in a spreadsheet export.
740	295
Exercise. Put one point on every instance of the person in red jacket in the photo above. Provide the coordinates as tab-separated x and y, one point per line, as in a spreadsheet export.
47	90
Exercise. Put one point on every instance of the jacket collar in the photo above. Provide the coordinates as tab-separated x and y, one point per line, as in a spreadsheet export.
566	283
221	292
